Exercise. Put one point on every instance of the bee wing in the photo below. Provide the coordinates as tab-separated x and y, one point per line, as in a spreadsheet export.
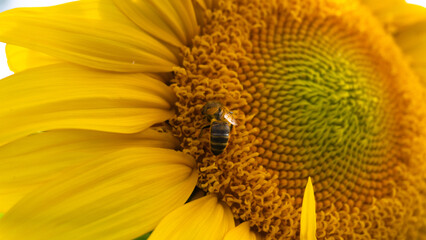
228	116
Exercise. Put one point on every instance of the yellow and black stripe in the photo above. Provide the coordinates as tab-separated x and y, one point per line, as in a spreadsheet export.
219	136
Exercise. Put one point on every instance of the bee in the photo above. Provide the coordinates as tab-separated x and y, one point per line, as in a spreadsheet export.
221	124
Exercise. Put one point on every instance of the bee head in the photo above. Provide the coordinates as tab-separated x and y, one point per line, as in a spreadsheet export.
213	110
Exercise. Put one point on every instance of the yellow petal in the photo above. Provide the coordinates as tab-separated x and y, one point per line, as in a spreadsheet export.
31	161
203	219
70	97
421	72
94	41
173	21
396	14
207	4
203	6
308	224
118	196
242	232
20	59
408	24
91	9
412	40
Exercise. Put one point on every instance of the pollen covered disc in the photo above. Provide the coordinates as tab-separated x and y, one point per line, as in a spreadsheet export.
317	89
324	110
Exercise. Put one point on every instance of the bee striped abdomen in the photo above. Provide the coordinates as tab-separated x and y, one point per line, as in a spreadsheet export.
219	136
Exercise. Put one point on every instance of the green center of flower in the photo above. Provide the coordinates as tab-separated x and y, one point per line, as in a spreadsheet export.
313	96
325	111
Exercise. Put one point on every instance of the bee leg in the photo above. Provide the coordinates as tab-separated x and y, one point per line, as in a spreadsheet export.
202	130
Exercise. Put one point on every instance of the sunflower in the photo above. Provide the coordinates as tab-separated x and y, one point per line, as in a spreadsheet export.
102	123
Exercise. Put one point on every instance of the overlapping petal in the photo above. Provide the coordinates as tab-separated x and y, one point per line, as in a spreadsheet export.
101	37
242	232
396	14
34	160
68	97
173	21
412	40
203	219
104	10
407	22
20	58
203	6
207	4
117	196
